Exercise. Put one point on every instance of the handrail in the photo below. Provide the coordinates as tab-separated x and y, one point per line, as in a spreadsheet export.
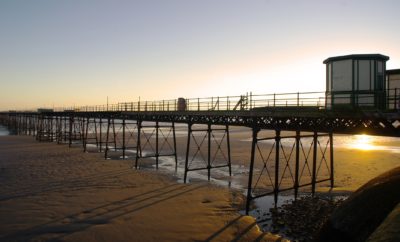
389	98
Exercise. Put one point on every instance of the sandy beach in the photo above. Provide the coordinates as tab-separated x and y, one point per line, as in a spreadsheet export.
50	192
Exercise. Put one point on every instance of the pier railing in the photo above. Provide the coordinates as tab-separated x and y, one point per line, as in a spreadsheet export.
383	100
222	103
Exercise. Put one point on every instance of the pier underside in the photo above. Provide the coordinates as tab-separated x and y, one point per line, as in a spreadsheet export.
306	160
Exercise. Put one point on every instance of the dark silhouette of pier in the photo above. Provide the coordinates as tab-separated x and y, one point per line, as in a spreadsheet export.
151	126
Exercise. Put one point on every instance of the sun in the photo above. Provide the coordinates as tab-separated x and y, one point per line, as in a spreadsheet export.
363	142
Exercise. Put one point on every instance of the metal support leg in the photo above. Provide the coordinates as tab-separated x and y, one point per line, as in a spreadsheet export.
65	129
107	137
209	151
175	152
114	134
296	174
314	168
123	138
277	151
229	150
249	197
187	152
86	131
100	134
95	132
138	146
71	123
157	151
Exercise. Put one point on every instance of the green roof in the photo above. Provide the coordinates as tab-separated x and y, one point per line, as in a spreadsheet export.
357	57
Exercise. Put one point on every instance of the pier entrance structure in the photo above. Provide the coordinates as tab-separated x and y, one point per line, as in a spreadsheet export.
147	129
356	81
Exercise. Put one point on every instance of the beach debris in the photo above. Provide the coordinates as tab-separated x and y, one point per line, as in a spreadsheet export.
301	219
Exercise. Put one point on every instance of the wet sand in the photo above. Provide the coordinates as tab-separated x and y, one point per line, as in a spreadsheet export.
52	192
355	162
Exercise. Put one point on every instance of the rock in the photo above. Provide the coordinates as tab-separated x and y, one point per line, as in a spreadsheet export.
269	237
301	219
358	216
389	230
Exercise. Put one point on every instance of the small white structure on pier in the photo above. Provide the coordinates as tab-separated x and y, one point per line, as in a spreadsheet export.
356	81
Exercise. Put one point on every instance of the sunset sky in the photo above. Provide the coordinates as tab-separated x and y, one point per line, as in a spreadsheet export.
78	52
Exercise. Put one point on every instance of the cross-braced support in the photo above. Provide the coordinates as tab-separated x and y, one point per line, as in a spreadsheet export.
46	128
154	141
32	124
76	130
211	157
283	163
121	133
90	132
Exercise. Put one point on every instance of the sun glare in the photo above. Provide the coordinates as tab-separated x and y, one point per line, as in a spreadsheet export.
363	142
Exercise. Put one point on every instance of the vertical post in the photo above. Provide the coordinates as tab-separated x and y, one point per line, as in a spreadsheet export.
229	149
157	152
209	151
100	134
58	128
27	125
277	149
65	129
187	152
274	99
30	125
85	135
395	106
81	128
138	145
71	122
51	128
95	131
331	159
114	134
249	197
123	137
296	174
107	137
314	168
175	152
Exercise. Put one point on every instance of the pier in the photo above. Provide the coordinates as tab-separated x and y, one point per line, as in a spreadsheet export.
151	126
